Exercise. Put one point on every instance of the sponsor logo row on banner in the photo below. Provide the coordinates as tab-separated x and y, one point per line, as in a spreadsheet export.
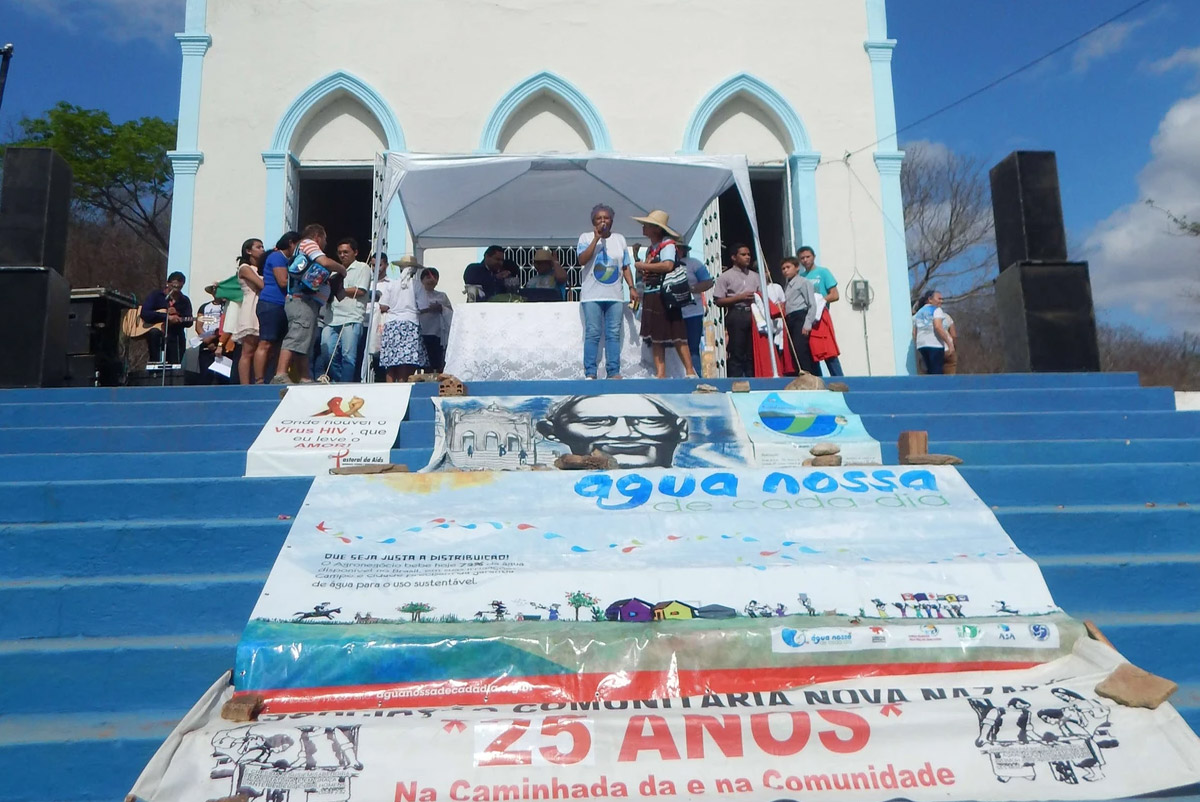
974	635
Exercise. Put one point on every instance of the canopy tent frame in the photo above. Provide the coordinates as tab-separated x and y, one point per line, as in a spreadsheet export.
452	200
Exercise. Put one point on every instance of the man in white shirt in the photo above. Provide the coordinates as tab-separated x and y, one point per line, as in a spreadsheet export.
605	263
342	339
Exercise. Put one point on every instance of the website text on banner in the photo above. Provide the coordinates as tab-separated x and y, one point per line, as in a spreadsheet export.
458	587
1033	734
320	427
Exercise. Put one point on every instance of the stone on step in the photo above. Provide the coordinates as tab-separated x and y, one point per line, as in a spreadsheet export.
596	461
451	386
1135	687
931	459
741	387
360	470
242	708
705	388
837	387
825	449
910	443
806	381
827	461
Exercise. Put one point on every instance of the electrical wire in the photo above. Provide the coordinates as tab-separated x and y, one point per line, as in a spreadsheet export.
1010	74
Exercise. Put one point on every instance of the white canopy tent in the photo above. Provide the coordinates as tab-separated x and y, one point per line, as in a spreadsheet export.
545	198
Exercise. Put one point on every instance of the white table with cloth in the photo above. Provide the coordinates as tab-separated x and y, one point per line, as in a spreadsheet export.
537	342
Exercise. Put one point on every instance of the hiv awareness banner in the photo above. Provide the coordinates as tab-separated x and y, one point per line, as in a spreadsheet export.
646	431
319	427
1033	734
784	426
411	589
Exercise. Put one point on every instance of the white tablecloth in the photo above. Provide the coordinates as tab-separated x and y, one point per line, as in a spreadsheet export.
536	342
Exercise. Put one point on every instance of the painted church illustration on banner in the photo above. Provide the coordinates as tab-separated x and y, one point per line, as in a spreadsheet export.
284	107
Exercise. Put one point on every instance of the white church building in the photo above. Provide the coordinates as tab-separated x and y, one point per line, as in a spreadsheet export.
284	106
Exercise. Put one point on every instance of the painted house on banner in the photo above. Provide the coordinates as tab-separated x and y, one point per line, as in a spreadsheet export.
278	128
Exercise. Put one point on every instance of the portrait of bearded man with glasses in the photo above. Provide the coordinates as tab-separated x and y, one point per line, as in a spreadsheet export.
635	430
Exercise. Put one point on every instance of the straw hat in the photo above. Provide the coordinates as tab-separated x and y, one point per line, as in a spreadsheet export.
407	261
658	218
543	255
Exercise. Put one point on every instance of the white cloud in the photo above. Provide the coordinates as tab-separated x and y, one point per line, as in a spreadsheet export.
1103	43
1183	57
117	20
1139	262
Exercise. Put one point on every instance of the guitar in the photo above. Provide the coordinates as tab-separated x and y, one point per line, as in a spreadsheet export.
132	325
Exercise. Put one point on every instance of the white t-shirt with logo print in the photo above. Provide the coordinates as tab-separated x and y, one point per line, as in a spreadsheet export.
602	274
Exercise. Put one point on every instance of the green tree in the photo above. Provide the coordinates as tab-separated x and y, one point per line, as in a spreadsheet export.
579	598
121	170
416	610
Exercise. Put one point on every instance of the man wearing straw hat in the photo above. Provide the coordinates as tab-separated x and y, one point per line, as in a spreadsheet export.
662	327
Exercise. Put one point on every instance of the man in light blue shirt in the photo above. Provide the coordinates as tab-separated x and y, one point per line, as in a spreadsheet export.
822	339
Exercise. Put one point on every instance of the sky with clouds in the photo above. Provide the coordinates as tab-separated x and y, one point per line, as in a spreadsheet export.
1121	108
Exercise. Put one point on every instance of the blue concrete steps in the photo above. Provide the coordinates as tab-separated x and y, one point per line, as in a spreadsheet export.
134	551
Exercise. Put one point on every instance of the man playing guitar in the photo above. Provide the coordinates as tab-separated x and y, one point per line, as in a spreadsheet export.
167	313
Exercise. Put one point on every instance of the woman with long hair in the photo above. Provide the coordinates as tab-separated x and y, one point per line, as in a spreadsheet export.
245	330
661	326
929	331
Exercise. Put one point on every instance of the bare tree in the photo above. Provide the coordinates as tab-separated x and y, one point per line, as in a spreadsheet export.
1183	226
947	221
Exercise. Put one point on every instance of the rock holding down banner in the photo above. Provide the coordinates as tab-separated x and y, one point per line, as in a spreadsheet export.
319	427
443	588
1034	734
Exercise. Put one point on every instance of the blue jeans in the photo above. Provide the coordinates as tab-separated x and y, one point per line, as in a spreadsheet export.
695	330
602	318
340	357
834	366
934	359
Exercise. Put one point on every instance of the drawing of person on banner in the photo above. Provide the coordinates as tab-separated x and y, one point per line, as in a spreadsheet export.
1003	734
635	430
326	757
1083	724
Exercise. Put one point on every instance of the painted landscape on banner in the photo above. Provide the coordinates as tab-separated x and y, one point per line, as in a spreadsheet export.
783	426
454	586
320	427
638	431
1031	734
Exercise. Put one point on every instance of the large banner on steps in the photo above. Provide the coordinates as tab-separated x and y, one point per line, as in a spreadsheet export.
411	589
1039	733
319	427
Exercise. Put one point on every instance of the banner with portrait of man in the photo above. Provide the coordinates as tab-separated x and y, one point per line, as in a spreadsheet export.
637	431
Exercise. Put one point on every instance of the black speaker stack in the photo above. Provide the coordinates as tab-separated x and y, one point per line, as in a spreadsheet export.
35	202
94	337
1044	300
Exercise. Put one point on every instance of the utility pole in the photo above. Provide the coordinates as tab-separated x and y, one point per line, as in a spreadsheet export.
5	57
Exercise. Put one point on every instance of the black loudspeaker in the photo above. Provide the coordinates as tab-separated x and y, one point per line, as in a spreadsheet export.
33	327
94	331
1027	208
1047	318
35	205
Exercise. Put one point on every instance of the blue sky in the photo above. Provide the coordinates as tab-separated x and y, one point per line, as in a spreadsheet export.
1121	108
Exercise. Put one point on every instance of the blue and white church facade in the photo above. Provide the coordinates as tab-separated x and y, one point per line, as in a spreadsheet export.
284	106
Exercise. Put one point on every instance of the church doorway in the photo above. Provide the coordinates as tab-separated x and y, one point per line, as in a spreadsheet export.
339	199
769	189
